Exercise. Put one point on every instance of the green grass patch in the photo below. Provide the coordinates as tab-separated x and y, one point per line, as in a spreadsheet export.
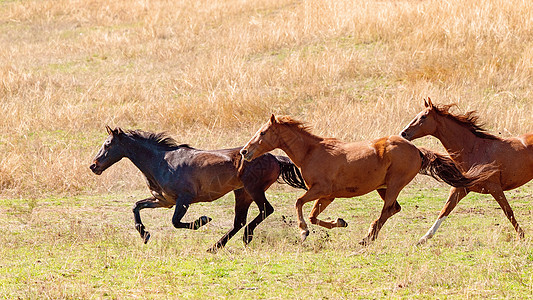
87	247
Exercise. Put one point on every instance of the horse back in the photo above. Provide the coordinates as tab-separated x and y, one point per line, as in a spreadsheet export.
221	170
514	158
361	167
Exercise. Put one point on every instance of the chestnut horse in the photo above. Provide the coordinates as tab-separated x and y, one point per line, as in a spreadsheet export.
469	144
179	175
332	168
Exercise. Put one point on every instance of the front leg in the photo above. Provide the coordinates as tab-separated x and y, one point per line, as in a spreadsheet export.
151	202
310	195
182	204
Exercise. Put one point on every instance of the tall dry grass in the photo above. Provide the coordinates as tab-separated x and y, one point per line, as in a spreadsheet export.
209	72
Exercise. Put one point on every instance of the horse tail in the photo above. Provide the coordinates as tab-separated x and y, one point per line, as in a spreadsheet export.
289	172
442	167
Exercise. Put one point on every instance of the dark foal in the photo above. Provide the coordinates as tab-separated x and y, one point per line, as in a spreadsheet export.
181	175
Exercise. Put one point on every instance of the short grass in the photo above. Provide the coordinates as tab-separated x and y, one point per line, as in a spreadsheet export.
86	247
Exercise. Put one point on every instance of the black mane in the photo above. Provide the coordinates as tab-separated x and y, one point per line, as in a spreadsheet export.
162	139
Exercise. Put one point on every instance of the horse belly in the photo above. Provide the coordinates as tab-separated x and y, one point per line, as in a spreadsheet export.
360	180
516	168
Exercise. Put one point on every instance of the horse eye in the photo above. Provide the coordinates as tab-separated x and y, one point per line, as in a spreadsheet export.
423	117
262	132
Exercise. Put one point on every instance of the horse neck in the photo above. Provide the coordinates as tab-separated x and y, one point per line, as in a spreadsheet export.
457	139
144	156
297	143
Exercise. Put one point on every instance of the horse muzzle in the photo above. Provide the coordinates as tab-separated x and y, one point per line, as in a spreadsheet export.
247	155
96	170
405	135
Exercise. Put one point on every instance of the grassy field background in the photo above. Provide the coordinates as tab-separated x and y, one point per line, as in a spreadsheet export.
209	73
87	247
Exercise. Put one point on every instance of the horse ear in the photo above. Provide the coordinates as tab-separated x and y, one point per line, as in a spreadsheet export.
273	119
109	130
119	130
429	104
425	103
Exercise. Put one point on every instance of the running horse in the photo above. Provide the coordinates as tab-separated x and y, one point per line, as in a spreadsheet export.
179	175
469	144
335	169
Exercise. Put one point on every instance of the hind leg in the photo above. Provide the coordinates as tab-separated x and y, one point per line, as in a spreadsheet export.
320	206
498	194
390	207
456	194
242	204
265	210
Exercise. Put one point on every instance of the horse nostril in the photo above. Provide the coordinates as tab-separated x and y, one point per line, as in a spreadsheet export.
92	167
404	134
244	151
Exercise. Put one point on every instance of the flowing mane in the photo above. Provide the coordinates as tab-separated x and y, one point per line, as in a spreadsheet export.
162	139
301	126
470	120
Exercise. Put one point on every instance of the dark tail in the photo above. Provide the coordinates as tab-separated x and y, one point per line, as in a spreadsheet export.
290	174
442	167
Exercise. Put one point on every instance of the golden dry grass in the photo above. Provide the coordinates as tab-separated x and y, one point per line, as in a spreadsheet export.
209	72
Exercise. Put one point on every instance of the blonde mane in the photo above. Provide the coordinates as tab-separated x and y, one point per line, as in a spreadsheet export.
289	121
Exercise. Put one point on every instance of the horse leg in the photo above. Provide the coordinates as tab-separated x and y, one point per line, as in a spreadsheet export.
310	195
242	203
456	194
320	206
265	210
390	207
151	202
182	204
498	194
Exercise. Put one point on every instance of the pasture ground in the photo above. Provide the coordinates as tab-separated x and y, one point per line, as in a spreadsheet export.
209	72
87	247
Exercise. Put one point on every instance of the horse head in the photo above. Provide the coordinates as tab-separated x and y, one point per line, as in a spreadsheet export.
264	140
110	152
423	124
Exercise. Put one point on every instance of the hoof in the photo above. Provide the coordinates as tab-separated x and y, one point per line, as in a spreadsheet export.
364	242
201	222
146	237
303	235
247	238
204	220
213	250
341	223
422	241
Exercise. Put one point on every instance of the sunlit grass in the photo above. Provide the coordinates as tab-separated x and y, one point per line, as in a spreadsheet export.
87	247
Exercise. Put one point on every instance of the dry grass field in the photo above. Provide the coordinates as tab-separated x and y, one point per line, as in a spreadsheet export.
209	73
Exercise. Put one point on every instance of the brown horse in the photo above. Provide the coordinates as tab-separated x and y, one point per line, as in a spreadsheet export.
179	175
469	144
332	168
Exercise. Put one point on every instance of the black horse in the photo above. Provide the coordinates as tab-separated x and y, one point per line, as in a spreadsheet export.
180	175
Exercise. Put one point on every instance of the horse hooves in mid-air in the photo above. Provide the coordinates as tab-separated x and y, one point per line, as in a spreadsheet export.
201	222
342	223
